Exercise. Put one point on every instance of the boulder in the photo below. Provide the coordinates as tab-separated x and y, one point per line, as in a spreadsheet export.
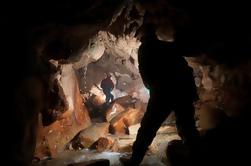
113	110
53	138
125	101
106	144
120	123
90	135
133	130
97	100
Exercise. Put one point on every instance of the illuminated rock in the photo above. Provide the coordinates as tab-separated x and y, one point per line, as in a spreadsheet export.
120	124
91	134
52	139
97	100
133	130
113	110
106	144
207	81
42	149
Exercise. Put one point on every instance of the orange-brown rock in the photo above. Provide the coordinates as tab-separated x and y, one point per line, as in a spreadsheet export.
52	139
41	149
91	134
106	144
113	110
97	100
120	123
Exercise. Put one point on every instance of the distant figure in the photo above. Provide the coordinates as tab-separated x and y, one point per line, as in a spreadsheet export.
107	85
172	88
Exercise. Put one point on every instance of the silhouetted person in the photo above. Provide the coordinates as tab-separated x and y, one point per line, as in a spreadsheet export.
107	86
170	81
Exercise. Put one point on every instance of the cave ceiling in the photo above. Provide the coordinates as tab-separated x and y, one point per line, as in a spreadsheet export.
217	28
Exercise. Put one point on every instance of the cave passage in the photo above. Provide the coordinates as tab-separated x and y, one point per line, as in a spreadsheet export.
59	53
79	121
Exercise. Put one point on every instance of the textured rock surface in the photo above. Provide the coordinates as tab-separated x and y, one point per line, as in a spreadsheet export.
106	144
52	139
120	123
87	137
222	90
113	110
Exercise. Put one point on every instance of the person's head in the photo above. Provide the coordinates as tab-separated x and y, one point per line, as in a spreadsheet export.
108	75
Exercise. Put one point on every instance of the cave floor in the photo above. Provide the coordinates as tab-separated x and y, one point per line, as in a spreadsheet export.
155	156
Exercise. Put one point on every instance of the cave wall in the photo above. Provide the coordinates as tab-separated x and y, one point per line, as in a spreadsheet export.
52	138
23	26
223	90
107	53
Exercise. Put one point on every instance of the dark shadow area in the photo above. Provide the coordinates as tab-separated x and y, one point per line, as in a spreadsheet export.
227	144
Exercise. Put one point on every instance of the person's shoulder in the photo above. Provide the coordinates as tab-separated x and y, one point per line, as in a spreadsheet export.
104	80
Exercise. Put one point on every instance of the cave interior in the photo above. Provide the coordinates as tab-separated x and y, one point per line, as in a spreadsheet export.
61	50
